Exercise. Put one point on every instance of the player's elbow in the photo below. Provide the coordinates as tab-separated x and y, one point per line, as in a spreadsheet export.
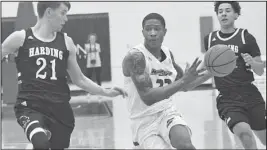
259	72
78	80
145	99
150	99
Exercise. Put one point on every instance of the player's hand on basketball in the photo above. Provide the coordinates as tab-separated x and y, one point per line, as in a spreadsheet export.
116	91
191	72
248	59
199	70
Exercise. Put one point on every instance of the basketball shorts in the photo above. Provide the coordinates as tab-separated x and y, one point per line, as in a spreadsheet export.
152	132
36	117
242	104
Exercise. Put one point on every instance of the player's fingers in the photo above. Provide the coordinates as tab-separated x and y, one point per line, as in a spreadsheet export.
198	63
200	75
195	61
201	70
187	65
121	91
193	66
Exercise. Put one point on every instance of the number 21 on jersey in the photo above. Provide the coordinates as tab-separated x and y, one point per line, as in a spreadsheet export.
43	63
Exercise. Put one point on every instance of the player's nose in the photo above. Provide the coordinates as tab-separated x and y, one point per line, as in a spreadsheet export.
65	18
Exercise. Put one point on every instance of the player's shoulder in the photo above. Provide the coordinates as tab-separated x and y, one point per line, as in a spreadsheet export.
68	41
134	53
17	37
245	32
164	47
133	57
210	34
19	34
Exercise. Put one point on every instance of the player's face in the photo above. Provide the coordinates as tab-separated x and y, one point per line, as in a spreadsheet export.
58	17
154	33
92	39
226	15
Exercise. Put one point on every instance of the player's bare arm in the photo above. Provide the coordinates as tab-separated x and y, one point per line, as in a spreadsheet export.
201	79
83	82
256	63
13	42
179	70
253	57
134	65
206	75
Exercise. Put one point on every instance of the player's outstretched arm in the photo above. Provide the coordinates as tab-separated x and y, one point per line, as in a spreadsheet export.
134	65
83	82
201	79
13	42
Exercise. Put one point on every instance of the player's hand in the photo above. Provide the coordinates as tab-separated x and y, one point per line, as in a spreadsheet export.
199	70
116	91
248	59
191	72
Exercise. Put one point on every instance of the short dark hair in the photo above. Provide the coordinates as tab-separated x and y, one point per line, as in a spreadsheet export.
43	5
91	34
234	4
154	16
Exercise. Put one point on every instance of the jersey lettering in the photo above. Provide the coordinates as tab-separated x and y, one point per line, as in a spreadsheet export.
37	51
42	62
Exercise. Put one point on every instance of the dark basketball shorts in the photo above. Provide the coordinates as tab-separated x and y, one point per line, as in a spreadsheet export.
55	120
242	104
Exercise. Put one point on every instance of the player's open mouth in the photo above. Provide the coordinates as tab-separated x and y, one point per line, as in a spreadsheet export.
224	20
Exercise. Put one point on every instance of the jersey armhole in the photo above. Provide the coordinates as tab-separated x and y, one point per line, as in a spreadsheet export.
24	38
66	40
243	36
209	40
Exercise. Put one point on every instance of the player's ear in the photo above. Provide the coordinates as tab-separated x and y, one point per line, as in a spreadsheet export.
236	16
48	12
143	31
165	31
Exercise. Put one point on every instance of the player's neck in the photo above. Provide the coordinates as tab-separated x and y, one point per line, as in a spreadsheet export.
154	51
43	30
230	29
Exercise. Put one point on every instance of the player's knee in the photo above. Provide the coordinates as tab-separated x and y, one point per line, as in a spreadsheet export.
40	141
183	145
180	137
244	132
37	135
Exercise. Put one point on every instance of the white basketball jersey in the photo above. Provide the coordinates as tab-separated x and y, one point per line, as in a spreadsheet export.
161	74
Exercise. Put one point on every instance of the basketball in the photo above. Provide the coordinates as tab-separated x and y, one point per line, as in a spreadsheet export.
220	60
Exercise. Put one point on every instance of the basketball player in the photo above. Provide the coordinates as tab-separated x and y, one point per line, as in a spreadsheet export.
44	56
239	103
151	78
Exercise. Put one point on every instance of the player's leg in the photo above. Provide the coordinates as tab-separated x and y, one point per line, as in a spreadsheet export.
258	121
61	135
62	127
238	123
232	109
33	124
243	131
175	131
154	142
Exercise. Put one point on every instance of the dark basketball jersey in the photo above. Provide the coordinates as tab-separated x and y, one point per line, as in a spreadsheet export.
239	43
42	69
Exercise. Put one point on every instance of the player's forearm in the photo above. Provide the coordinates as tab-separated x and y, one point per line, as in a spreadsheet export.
258	67
198	81
155	95
91	87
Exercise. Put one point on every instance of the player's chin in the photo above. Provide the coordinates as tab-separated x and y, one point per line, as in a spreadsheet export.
154	45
